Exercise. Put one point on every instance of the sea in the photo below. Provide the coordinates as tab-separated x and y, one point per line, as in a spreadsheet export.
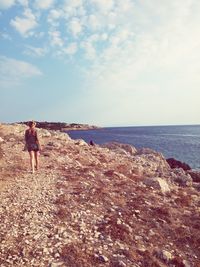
179	142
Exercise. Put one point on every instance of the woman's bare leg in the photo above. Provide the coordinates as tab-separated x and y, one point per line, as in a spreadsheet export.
36	153
32	161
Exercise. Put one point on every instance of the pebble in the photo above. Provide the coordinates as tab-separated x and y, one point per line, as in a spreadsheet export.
102	258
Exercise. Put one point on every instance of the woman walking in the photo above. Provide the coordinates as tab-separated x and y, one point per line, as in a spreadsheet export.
32	145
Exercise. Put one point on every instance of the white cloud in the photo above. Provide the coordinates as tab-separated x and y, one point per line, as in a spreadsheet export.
24	25
73	8
74	3
13	72
54	16
5	36
23	2
44	4
150	60
56	39
104	36
94	22
121	36
35	51
75	26
103	5
125	5
5	4
71	49
90	51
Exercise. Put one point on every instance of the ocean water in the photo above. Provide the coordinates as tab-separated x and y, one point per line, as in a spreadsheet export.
179	142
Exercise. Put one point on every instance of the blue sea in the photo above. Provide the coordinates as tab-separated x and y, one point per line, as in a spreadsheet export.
179	142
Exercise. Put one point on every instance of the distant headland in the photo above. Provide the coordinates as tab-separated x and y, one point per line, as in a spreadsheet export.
62	126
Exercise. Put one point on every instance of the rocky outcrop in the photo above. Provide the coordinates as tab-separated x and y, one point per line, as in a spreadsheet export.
181	177
121	148
173	163
61	126
195	175
92	206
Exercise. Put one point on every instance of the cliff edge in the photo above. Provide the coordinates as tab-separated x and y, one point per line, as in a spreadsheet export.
87	206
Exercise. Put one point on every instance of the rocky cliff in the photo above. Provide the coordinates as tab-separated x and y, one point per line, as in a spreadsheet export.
94	206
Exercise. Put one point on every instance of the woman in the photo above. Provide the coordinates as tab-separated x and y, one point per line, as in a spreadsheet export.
32	145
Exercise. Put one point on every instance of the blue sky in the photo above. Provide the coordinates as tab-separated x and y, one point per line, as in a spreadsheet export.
102	62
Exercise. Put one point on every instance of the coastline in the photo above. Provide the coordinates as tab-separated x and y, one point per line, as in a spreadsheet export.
98	203
179	142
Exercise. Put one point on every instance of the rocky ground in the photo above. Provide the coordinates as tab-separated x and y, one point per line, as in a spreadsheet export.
94	206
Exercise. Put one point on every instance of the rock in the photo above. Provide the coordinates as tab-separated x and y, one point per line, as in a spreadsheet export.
181	177
195	175
56	264
186	263
80	142
178	261
44	133
173	163
118	263
101	258
11	139
163	255
196	186
158	183
53	144
153	163
1	139
120	148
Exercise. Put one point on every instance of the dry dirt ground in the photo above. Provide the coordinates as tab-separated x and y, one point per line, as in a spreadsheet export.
89	206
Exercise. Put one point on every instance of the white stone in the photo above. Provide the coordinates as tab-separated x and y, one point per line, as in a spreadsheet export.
158	183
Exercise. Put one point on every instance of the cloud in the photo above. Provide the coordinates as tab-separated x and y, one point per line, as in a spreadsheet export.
71	49
56	39
54	16
5	4
103	5
35	51
13	72
23	2
44	4
5	36
24	25
90	51
75	26
147	61
93	22
73	8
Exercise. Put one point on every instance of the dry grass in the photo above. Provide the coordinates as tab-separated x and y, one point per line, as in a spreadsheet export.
74	256
1	152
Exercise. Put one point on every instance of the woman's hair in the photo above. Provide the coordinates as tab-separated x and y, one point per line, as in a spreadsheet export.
31	123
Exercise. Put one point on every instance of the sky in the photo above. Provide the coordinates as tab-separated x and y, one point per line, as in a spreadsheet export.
101	62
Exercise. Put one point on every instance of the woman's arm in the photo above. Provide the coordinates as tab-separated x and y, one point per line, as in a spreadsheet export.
26	136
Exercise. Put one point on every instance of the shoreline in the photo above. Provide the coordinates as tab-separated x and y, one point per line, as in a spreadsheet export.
172	141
